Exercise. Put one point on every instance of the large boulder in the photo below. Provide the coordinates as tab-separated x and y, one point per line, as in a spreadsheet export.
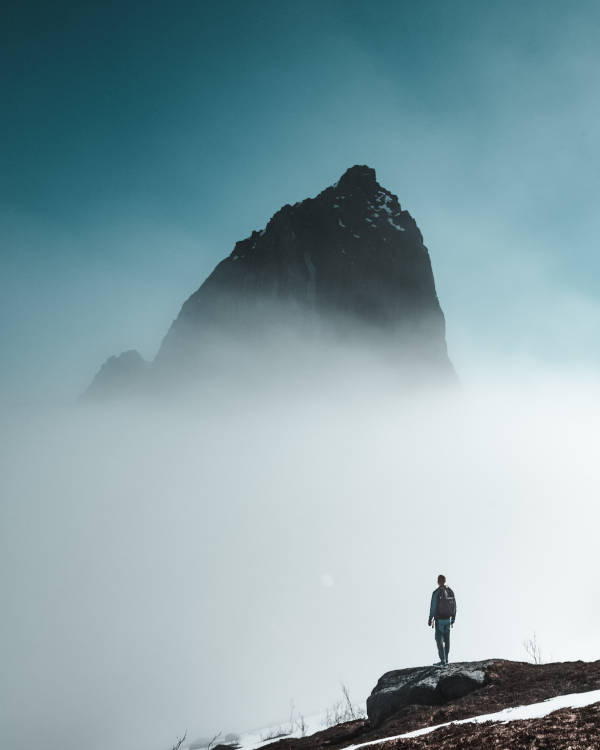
424	686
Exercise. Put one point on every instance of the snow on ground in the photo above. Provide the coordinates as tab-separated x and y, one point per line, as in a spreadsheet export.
318	722
258	737
531	711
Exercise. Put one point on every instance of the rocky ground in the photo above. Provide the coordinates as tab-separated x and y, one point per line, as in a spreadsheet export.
568	729
507	684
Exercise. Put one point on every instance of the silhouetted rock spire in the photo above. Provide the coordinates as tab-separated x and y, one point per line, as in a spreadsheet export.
350	259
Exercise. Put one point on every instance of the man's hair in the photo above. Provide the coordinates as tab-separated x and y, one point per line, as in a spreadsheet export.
441	578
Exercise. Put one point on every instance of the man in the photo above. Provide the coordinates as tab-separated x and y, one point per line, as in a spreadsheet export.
443	611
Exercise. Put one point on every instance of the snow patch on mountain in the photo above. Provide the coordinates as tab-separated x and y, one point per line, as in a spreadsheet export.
518	713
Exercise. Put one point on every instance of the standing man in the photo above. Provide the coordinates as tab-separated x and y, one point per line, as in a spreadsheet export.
443	611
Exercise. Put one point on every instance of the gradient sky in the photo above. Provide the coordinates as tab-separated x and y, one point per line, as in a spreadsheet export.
140	140
157	566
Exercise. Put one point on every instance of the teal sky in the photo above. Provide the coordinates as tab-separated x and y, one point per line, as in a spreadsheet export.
140	140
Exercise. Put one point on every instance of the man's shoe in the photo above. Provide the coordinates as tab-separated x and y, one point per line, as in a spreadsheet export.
438	664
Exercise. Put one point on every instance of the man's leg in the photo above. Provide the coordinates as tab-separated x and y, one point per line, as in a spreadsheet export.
447	640
439	639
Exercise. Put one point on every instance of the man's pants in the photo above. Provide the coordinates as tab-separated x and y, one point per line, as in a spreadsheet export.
442	638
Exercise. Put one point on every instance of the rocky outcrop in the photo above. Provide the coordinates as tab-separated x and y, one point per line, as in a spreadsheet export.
507	684
424	686
349	263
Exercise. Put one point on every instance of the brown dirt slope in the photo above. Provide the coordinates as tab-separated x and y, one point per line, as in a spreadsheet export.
568	729
510	684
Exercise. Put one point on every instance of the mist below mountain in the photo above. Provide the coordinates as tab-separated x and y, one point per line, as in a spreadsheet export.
200	565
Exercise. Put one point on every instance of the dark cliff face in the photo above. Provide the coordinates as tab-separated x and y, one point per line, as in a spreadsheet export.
349	264
351	258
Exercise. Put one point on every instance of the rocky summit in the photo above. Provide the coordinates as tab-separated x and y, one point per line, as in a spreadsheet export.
350	261
424	686
407	701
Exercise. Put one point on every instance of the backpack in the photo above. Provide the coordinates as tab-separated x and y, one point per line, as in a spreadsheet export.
446	604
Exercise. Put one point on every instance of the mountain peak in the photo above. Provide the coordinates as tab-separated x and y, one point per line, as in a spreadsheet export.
350	257
118	375
358	176
349	261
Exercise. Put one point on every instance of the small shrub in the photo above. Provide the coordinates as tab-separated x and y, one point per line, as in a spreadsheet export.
343	710
533	649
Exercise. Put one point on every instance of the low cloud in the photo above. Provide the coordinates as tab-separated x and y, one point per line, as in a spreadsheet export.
200	565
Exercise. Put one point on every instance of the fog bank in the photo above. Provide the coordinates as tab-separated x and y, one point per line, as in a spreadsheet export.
173	568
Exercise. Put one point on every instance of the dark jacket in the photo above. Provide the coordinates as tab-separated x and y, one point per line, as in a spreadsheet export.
435	597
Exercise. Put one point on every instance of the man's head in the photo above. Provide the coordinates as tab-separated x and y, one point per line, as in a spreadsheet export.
441	580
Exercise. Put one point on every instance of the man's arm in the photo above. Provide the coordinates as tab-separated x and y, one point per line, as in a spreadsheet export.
432	607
